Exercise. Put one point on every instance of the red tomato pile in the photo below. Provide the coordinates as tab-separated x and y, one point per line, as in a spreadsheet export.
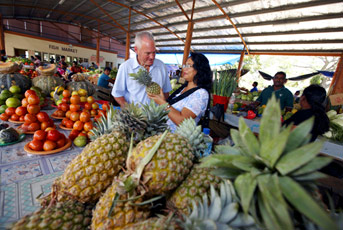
30	113
47	140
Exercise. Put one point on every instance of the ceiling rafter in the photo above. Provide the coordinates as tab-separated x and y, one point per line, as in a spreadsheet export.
73	8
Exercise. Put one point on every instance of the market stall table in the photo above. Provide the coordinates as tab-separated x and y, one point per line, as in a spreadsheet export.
329	148
23	176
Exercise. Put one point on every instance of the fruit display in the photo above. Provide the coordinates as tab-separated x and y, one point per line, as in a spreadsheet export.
85	85
144	78
336	126
265	182
30	73
10	79
8	67
47	83
47	70
248	96
30	113
47	140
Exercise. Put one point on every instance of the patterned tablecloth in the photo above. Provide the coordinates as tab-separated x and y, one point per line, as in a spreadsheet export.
24	176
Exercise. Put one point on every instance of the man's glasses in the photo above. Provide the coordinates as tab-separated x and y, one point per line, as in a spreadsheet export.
187	66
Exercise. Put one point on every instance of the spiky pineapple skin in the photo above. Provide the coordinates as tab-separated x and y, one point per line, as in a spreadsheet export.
92	171
153	88
67	215
123	213
197	183
168	167
154	223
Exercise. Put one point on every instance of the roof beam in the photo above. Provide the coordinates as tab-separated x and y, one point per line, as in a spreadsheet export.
310	31
328	41
72	9
90	11
33	9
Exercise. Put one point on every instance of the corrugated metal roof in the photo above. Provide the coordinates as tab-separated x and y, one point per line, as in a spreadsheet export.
278	26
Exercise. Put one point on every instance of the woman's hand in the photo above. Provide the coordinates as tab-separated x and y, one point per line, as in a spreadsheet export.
158	98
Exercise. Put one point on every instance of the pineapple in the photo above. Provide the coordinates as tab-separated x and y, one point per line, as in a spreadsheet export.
196	184
92	171
143	77
111	214
220	212
271	174
172	161
66	215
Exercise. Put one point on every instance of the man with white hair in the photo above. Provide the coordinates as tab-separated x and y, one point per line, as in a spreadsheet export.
128	90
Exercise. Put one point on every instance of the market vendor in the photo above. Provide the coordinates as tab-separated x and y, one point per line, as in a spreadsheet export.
281	92
105	79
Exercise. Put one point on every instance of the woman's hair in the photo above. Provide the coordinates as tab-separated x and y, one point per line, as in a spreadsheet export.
203	78
75	62
315	96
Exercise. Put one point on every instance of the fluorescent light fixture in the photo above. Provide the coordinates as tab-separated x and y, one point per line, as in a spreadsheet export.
61	2
48	15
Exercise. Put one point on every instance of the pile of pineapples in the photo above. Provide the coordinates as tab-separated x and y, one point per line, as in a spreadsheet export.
135	174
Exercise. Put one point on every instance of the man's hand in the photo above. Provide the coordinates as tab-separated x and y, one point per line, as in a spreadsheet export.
121	101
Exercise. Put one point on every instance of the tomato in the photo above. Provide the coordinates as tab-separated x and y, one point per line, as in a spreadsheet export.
62	136
24	102
90	134
82	134
33	99
36	145
59	113
29	92
105	106
69	124
30	118
49	145
88	106
97	117
74	116
74	108
33	109
20	111
22	118
78	125
61	142
101	112
49	128
34	126
10	111
84	117
63	106
64	121
73	134
93	112
90	99
15	117
4	117
25	127
68	114
39	135
53	135
50	123
44	125
66	93
75	99
65	100
42	116
88	126
95	105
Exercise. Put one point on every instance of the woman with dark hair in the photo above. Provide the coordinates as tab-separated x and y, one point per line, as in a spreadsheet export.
192	98
312	104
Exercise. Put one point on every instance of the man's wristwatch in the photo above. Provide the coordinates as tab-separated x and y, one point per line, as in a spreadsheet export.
168	106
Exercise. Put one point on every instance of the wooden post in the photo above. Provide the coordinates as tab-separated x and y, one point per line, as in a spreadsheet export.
127	50
336	85
2	34
239	69
188	41
98	48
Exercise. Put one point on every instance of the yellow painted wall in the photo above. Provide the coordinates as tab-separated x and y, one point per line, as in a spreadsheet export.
13	41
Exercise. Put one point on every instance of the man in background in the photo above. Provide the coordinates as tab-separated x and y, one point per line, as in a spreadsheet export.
105	79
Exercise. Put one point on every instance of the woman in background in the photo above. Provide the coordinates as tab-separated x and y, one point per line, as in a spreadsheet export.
312	104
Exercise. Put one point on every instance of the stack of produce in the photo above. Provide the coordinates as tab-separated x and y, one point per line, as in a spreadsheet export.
47	140
271	176
336	126
33	118
9	99
248	96
47	82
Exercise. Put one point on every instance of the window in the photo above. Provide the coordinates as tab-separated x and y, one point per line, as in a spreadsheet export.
75	59
109	64
58	57
38	53
68	59
80	60
85	60
45	57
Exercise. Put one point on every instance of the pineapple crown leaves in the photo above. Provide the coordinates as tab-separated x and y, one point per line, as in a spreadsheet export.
142	76
157	117
221	211
194	135
281	157
104	124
